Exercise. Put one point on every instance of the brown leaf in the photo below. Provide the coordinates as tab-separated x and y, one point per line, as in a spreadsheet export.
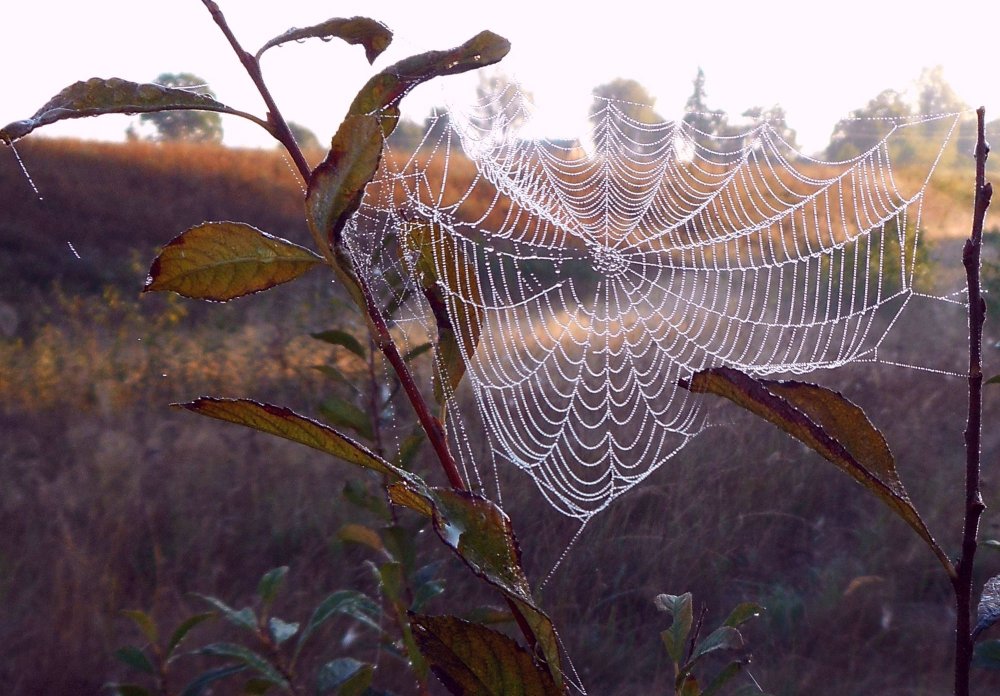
470	659
829	424
373	35
97	96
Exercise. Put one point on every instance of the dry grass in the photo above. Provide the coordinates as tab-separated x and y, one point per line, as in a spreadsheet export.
110	500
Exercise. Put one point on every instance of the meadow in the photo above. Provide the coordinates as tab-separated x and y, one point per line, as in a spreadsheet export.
111	500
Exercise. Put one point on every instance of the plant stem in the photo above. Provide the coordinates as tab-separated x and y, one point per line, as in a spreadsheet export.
278	127
974	506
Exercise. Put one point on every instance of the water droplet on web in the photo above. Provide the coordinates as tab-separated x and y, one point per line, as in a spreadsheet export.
24	170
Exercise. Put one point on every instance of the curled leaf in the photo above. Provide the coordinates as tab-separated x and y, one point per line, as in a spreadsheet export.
220	261
97	96
681	610
338	183
373	35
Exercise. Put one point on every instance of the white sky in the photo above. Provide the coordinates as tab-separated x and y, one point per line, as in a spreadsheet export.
819	60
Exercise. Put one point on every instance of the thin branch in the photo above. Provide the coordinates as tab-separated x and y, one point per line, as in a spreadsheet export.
974	505
278	126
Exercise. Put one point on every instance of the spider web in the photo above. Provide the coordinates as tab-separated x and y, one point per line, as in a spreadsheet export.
603	271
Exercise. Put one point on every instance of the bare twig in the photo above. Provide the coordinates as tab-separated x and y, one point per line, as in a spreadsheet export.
974	505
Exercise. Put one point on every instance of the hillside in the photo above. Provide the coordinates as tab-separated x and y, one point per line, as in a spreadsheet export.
121	201
107	201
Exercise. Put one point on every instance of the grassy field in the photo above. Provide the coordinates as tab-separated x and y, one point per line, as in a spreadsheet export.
111	500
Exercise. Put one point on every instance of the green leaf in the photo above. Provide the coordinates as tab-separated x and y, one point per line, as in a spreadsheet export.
389	86
722	638
97	96
995	379
342	338
129	690
829	424
220	261
144	622
743	613
988	611
249	658
280	421
135	658
425	592
987	655
345	414
281	630
450	285
472	659
352	603
374	36
206	679
680	608
270	584
244	618
343	672
185	627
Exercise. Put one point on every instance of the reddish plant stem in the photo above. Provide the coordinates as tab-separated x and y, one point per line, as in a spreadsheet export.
431	425
974	506
380	331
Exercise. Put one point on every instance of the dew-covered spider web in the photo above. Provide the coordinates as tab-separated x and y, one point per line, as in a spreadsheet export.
587	278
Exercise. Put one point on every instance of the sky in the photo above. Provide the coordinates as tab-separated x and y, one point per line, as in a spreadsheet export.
818	60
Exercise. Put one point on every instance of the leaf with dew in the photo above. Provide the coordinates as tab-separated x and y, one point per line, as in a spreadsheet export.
220	261
373	35
97	96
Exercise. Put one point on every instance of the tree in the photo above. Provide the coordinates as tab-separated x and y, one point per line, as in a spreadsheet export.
194	126
500	99
775	117
697	114
635	104
865	127
706	122
306	139
935	95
